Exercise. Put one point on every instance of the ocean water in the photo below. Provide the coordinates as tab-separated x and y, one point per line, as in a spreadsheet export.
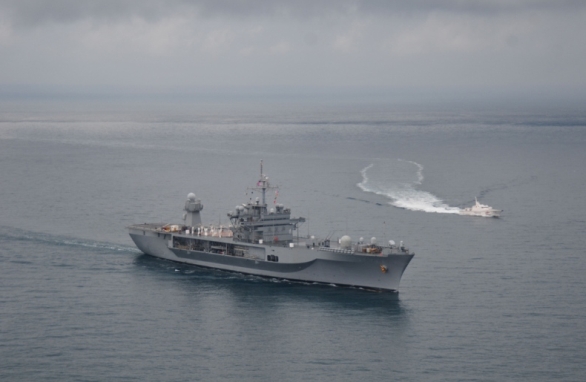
483	299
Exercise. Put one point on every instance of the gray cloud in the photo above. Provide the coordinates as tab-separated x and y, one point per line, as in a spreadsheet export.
26	13
492	45
34	13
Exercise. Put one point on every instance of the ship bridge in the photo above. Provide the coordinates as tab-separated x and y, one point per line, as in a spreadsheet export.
253	222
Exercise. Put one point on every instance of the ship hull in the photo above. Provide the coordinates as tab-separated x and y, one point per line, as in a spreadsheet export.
484	214
296	263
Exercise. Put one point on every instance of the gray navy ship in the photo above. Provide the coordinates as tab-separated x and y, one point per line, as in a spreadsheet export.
265	242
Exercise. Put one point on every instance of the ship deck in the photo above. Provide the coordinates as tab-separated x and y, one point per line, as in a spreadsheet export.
212	232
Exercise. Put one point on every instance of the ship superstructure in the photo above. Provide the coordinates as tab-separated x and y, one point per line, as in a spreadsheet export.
254	222
265	241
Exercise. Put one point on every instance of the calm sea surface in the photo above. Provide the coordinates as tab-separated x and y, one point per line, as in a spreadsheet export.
483	299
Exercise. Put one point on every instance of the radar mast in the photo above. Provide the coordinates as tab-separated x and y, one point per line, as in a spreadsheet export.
263	185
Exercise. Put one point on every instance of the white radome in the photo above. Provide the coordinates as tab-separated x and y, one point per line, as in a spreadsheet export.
346	242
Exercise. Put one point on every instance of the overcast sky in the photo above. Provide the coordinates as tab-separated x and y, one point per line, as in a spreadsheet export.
182	45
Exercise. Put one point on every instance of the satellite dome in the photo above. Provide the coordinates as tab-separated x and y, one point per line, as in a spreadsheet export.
345	242
191	196
373	240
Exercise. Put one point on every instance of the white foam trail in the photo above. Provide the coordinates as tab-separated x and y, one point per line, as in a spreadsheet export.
404	195
362	184
423	201
419	171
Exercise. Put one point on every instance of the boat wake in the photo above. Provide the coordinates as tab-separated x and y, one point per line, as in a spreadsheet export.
402	190
9	233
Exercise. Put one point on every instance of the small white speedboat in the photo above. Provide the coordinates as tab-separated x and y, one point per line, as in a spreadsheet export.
481	210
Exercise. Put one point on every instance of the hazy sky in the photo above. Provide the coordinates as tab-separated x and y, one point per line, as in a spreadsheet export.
154	46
